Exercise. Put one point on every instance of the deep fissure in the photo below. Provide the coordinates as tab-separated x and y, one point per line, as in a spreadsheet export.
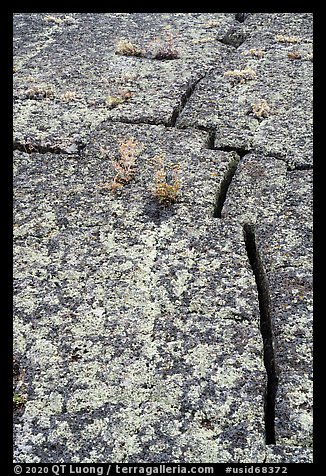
224	187
211	139
226	182
266	329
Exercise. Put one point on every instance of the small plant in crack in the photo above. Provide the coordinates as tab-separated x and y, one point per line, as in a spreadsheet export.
126	48
19	393
240	76
18	400
261	109
256	53
167	183
68	96
39	92
125	167
67	20
287	39
294	55
29	148
164	48
114	101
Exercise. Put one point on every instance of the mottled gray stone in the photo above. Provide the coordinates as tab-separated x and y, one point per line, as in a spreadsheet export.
158	88
144	286
291	454
30	36
256	191
287	136
291	309
161	332
287	240
285	246
137	325
286	85
258	25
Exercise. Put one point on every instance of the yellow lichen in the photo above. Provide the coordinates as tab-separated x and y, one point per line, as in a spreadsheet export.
68	96
39	92
114	101
58	20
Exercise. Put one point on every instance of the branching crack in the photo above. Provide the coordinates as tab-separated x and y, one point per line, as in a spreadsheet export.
266	329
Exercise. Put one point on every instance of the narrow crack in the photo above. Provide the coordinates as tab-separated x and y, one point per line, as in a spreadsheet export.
279	156
30	148
266	329
34	148
37	148
300	167
185	98
239	150
226	182
221	196
149	122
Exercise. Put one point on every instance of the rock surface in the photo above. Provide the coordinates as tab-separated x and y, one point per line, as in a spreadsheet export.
138	323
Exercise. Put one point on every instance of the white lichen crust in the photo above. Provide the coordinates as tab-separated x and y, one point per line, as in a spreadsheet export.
137	322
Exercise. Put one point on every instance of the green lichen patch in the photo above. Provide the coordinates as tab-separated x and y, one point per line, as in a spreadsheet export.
18	400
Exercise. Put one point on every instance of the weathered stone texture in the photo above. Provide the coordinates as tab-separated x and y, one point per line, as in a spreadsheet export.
137	324
225	104
285	245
